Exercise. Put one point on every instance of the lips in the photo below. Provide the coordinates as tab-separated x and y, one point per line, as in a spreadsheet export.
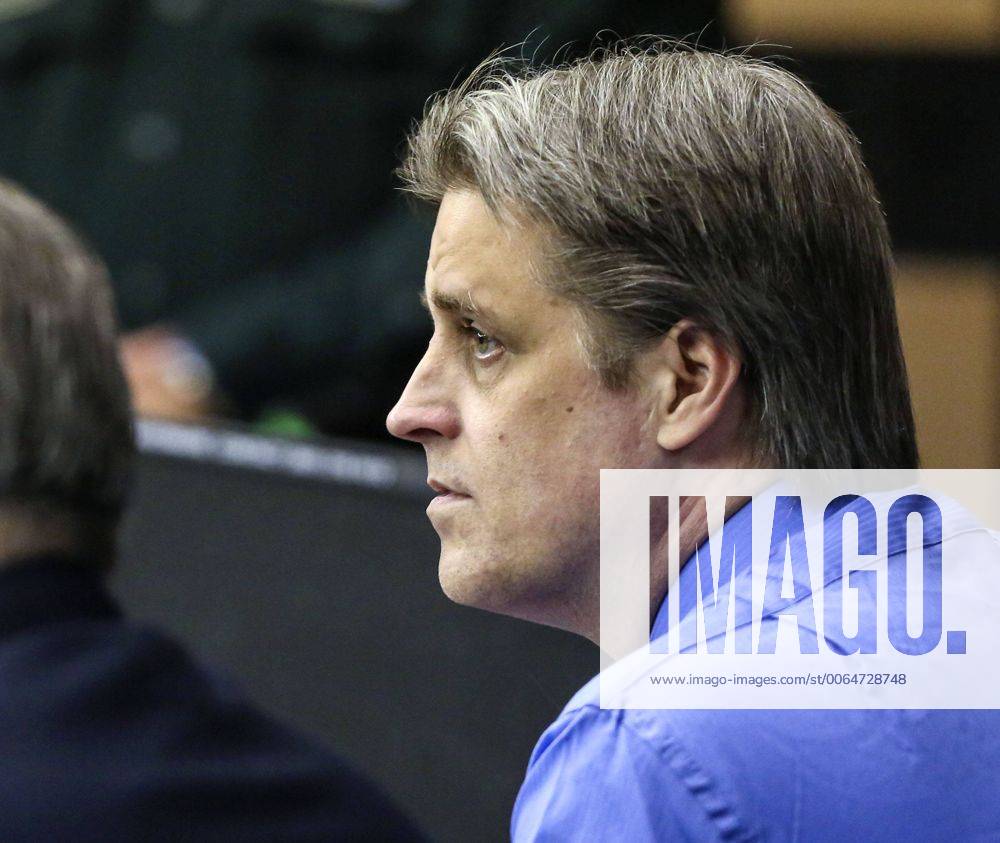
446	488
449	497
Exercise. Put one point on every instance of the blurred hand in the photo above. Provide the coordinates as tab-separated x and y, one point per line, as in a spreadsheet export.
167	375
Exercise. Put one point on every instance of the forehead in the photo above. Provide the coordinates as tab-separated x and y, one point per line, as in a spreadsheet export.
475	256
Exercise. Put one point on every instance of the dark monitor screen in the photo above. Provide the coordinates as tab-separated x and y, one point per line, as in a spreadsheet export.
309	572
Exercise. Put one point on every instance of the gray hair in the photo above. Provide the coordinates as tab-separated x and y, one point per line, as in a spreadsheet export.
679	183
66	439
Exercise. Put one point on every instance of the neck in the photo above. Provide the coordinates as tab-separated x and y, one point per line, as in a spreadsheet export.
693	532
28	530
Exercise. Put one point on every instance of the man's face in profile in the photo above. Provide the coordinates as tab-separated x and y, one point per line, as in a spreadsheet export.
516	426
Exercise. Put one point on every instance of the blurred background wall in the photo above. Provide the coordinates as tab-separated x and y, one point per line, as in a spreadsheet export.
232	160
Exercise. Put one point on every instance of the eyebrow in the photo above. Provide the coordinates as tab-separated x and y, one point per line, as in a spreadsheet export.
453	304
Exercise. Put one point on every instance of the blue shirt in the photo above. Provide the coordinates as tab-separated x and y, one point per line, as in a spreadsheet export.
640	775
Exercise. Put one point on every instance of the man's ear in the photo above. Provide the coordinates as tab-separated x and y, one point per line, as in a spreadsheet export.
694	379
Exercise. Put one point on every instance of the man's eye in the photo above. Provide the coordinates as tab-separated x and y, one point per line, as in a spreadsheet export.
484	347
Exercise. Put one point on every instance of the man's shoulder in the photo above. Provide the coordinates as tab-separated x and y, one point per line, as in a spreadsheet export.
636	773
740	774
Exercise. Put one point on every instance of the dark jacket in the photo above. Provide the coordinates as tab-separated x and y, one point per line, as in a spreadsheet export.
110	731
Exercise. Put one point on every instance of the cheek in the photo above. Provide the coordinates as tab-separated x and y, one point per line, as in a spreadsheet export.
546	469
549	444
530	483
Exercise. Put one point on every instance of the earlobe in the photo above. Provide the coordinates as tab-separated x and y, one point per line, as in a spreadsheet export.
672	435
694	376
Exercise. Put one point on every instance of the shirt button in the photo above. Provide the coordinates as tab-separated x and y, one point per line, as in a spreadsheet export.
152	136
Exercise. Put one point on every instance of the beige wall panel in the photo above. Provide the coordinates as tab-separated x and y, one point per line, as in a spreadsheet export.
949	316
911	25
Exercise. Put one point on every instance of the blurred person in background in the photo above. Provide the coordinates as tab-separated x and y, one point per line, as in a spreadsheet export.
109	730
230	160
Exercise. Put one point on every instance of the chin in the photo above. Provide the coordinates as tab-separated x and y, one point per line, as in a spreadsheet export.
482	580
504	587
469	585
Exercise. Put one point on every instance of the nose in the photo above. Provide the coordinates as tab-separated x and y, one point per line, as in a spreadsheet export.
425	410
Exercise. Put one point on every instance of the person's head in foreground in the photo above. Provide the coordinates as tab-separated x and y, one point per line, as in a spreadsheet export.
651	258
65	424
108	729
